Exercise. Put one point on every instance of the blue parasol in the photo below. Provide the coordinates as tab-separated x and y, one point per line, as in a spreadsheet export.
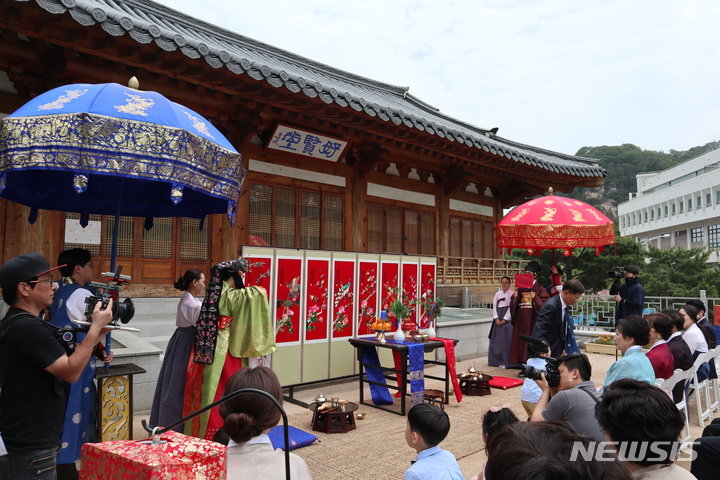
113	150
81	147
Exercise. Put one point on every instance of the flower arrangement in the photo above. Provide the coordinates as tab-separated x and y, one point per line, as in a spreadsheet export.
431	308
605	339
399	310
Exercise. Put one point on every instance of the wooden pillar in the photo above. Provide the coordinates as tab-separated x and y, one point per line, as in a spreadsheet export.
358	214
225	239
46	236
443	236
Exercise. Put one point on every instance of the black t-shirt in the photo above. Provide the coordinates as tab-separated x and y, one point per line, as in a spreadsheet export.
32	401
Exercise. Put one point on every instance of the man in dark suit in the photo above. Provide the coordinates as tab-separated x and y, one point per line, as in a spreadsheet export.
704	323
554	321
681	353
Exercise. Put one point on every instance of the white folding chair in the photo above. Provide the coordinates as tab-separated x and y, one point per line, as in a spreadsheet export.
701	390
714	383
679	377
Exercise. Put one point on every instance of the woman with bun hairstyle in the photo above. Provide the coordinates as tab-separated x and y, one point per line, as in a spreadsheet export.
167	404
248	418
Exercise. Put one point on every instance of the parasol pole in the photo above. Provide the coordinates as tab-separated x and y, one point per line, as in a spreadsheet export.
113	256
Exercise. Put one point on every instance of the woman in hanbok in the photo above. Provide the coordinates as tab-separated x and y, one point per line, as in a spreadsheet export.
501	329
235	330
167	407
248	418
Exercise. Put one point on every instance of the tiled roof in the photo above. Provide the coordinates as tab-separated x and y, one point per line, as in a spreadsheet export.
146	22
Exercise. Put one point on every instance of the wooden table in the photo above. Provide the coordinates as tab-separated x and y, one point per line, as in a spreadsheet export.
402	349
340	419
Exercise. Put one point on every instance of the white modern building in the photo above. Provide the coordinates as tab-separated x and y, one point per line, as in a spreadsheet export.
677	207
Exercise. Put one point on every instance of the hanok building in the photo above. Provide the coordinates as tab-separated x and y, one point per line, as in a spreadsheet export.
353	187
381	171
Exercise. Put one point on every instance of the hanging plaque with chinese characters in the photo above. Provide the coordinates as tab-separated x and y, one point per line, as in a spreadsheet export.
308	144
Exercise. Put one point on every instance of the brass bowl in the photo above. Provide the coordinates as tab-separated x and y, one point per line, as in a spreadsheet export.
360	415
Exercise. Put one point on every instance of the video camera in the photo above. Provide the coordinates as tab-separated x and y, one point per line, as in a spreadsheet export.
122	311
616	274
552	374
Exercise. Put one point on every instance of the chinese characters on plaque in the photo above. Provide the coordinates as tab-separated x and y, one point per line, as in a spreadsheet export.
308	144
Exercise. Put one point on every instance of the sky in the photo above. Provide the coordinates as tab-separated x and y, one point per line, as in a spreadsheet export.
555	74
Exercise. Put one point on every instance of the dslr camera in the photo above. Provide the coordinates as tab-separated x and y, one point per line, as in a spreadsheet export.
552	374
122	311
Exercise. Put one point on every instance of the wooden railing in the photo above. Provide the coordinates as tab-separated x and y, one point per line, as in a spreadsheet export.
476	271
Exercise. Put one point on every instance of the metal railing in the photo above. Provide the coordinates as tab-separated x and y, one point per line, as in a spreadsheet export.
597	312
473	271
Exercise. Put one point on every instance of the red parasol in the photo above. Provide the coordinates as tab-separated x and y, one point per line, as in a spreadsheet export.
555	222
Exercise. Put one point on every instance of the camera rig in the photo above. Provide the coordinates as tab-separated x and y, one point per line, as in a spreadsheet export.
122	312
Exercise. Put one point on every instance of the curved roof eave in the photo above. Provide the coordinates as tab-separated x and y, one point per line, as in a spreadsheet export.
146	22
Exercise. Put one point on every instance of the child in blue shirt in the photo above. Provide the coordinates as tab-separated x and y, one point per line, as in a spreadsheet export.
427	426
530	392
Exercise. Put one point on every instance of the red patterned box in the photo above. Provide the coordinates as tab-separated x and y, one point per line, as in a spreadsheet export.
180	458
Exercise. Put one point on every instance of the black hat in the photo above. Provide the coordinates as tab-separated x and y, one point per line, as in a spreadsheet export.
24	267
533	267
541	346
632	269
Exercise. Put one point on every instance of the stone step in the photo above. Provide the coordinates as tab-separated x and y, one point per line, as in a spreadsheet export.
154	327
149	307
160	342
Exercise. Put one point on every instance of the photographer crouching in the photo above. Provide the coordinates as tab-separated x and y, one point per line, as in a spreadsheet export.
574	396
630	296
34	364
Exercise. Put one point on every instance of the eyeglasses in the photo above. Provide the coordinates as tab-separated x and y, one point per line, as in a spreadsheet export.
49	279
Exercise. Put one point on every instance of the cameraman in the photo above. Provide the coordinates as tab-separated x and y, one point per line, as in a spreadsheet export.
33	368
67	308
574	399
630	295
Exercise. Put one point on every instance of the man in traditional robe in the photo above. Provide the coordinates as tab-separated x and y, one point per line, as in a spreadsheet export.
524	307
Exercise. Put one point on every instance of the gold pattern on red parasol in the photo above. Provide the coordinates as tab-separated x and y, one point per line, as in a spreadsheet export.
555	222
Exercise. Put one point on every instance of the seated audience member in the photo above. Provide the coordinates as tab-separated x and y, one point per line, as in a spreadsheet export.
660	356
694	336
493	420
631	413
708	331
631	334
427	426
546	451
576	397
248	418
704	323
706	464
682	356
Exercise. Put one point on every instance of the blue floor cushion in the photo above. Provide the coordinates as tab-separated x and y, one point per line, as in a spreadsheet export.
298	438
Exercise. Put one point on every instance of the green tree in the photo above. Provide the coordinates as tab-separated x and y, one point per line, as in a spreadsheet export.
679	273
670	273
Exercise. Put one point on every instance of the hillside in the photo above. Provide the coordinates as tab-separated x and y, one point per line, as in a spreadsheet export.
622	164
